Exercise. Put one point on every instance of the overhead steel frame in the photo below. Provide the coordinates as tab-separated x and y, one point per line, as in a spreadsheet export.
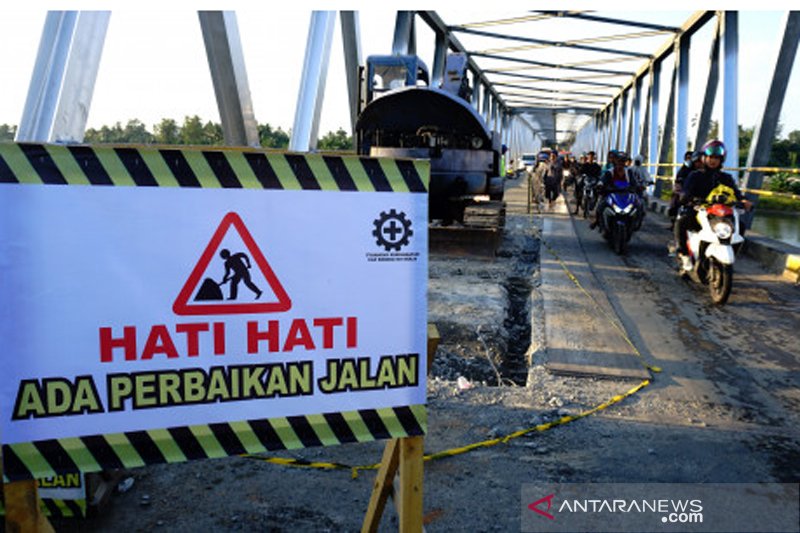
351	41
682	108
312	82
704	121
646	140
485	98
730	87
60	93
654	108
765	129
623	122
64	75
229	77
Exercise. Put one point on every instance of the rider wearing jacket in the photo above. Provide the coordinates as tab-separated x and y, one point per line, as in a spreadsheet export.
699	184
615	179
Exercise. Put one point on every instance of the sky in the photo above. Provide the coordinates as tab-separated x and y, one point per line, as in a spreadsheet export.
154	64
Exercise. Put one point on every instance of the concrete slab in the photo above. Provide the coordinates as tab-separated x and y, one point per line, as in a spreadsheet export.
580	339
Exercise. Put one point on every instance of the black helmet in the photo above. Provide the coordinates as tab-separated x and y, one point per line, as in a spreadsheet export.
696	155
714	148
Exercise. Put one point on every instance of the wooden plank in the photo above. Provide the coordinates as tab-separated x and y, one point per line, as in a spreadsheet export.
433	343
382	486
411	470
23	508
588	370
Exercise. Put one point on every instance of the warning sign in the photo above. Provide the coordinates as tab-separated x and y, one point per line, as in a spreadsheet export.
207	298
154	320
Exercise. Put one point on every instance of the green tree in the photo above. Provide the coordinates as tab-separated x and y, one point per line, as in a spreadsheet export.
212	133
7	132
135	132
270	138
105	134
745	139
192	131
167	132
339	140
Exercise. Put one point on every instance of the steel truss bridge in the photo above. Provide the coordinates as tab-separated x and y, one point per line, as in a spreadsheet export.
575	79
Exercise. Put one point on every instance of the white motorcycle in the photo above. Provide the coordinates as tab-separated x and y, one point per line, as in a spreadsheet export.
712	249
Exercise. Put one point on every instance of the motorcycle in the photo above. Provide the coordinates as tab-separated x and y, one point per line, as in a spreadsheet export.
620	217
589	194
712	249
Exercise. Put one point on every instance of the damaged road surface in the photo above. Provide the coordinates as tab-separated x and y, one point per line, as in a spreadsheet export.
725	407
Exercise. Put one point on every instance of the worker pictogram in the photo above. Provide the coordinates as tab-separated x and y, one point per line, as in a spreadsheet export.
392	230
235	268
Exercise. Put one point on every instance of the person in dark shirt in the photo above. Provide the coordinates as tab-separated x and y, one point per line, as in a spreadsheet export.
692	161
237	269
698	185
587	169
616	179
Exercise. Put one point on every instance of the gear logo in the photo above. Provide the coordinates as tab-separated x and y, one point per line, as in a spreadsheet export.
392	230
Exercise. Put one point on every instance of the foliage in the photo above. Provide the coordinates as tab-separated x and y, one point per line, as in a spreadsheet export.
784	182
193	131
778	203
7	132
270	138
336	141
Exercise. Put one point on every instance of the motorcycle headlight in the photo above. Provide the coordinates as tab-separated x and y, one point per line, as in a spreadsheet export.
723	229
628	209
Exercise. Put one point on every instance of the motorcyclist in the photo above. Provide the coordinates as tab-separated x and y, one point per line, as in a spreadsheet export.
588	169
692	161
696	188
639	175
616	179
612	155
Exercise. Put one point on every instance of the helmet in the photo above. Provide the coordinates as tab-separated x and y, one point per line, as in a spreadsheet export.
621	156
696	155
714	148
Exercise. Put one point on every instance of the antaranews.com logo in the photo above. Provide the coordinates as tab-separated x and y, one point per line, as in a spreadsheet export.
671	511
669	507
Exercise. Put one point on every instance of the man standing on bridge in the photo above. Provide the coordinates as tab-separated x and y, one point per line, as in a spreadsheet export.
240	264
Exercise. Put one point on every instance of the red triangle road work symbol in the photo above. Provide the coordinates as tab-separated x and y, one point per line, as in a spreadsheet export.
208	296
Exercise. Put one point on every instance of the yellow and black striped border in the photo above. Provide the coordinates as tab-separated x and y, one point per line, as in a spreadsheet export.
133	449
56	508
202	167
240	168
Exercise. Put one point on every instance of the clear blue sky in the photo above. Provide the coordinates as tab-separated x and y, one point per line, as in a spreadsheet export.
154	64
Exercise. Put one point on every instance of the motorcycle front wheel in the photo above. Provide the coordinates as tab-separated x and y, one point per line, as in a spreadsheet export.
720	281
619	241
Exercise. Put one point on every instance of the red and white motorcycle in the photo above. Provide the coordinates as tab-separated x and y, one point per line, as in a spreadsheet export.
712	249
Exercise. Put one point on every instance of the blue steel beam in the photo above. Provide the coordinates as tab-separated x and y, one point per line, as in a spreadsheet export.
682	107
559	44
730	87
551	65
765	129
654	109
704	122
621	22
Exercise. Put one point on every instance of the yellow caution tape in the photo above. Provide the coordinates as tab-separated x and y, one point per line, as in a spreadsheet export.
605	313
354	470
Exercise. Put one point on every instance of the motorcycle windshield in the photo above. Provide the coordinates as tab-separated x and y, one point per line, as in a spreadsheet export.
621	199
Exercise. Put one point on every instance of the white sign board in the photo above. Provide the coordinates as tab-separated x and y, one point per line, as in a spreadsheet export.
136	308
